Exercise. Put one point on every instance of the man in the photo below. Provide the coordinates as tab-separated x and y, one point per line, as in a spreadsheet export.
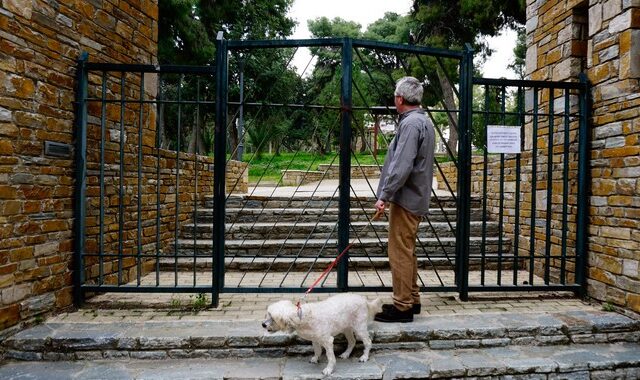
405	184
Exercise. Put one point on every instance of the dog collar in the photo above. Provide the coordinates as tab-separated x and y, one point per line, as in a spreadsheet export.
299	310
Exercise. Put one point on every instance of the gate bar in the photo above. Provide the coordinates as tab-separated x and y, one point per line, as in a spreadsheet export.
345	163
219	163
464	173
81	177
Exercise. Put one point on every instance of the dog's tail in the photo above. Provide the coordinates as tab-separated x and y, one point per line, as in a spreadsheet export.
374	307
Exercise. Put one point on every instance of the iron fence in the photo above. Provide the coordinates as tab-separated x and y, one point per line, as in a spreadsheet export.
151	217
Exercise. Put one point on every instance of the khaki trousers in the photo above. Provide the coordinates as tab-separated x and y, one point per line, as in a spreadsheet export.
403	228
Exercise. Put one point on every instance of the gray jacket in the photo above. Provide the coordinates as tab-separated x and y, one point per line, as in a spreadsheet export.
408	168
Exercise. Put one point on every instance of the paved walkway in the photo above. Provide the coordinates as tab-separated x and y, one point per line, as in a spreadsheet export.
149	306
250	306
329	187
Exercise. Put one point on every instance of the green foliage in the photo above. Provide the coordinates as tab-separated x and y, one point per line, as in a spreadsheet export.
182	37
608	307
268	167
450	24
491	109
391	28
199	301
175	303
519	52
187	30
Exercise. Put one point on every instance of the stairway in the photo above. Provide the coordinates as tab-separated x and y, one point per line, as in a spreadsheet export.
306	227
578	344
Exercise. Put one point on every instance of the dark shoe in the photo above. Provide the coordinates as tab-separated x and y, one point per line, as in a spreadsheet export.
392	314
415	309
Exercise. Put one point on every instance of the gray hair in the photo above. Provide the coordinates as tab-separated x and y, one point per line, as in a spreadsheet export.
410	89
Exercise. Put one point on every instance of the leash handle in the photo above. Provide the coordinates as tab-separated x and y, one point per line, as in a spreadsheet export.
378	214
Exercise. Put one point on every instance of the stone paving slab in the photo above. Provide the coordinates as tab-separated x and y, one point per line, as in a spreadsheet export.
143	306
242	338
598	361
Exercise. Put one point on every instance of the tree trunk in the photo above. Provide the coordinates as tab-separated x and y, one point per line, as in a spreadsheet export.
196	142
327	147
319	144
363	136
162	139
233	136
449	102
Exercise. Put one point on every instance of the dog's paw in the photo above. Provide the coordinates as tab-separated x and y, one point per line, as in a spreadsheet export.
345	355
314	360
327	371
363	358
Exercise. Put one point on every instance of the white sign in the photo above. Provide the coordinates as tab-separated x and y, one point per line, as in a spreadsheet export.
503	139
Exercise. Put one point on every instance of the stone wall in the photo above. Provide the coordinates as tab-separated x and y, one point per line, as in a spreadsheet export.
357	171
502	198
327	171
601	37
169	180
39	43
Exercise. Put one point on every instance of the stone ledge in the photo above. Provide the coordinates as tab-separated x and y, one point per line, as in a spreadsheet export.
522	362
204	339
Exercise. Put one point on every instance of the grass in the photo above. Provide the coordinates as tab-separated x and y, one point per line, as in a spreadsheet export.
270	166
608	307
199	302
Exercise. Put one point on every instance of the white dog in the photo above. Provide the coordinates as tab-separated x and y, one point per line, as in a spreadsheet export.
319	322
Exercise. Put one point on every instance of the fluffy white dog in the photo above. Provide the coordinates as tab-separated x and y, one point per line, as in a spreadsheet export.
319	322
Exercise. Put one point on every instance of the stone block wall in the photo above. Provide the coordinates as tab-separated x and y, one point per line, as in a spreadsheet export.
601	38
39	44
501	198
359	171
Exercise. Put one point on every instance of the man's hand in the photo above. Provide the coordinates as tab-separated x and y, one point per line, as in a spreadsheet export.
380	205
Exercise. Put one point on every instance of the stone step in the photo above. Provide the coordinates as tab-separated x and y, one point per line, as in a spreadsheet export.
320	201
292	214
365	247
595	361
180	339
304	264
323	230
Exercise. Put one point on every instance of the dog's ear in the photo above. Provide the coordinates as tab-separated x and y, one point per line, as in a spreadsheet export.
286	315
291	317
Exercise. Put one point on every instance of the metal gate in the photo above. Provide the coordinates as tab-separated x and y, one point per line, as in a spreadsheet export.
151	217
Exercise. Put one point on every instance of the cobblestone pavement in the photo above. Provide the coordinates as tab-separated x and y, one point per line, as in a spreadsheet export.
164	306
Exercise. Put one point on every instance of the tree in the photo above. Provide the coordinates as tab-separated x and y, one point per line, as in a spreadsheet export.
323	85
182	38
187	30
391	28
450	24
520	53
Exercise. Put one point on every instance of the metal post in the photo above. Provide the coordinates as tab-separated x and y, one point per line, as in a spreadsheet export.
219	164
464	173
583	188
241	114
345	164
81	178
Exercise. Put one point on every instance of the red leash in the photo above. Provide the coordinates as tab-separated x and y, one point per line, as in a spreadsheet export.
333	264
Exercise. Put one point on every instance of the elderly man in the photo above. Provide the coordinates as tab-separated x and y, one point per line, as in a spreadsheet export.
405	186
